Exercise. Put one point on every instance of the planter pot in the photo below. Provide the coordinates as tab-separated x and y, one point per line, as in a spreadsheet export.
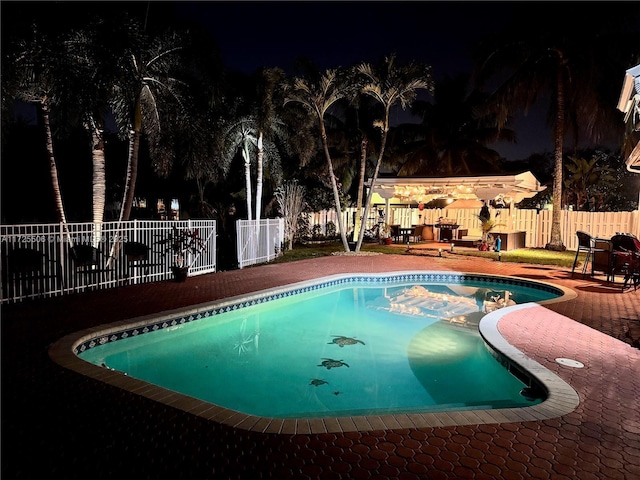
387	241
180	273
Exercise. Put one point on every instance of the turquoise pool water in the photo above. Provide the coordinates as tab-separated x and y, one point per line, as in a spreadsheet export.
355	348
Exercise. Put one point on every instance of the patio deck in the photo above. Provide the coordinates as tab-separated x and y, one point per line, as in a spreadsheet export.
57	422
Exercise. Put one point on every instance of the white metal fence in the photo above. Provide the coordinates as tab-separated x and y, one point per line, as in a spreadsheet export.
537	225
259	241
42	260
37	259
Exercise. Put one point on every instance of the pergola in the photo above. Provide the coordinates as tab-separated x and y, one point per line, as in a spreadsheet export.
507	189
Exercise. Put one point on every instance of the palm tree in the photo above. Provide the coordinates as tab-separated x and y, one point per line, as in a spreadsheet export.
146	90
37	76
92	62
389	85
569	61
359	126
317	97
242	134
270	130
451	138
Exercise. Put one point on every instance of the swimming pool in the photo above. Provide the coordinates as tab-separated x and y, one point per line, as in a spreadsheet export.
391	338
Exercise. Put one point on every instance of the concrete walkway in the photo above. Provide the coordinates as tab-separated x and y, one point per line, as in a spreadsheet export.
57	422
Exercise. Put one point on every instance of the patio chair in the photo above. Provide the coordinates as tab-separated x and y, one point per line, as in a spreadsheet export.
28	271
417	233
137	257
626	259
395	232
585	244
90	263
603	257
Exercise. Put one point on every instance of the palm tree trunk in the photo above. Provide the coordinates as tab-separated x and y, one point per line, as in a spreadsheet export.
53	170
259	177
132	165
99	183
363	167
258	187
556	234
334	186
247	177
132	174
367	204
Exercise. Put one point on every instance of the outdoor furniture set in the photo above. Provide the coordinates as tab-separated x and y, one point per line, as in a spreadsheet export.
617	256
26	270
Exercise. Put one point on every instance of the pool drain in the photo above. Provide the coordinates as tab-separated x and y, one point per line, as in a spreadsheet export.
569	362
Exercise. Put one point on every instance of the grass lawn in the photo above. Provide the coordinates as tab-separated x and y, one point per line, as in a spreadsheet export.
538	256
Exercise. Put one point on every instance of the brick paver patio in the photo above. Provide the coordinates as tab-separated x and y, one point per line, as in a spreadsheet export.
56	422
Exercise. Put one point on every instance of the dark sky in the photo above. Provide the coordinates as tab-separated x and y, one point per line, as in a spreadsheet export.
335	33
252	34
332	34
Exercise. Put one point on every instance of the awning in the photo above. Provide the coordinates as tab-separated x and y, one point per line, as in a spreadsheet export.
629	104
465	203
508	188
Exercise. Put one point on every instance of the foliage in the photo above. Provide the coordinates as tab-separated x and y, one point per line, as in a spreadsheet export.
303	230
389	84
290	197
184	244
584	175
488	224
452	138
316	232
554	60
599	181
317	95
385	231
330	230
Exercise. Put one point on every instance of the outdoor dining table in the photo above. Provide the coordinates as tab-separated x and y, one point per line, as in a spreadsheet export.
406	233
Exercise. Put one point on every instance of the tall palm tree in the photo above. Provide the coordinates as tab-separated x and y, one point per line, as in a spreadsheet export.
92	63
359	126
272	128
146	90
570	62
242	134
389	85
38	74
318	96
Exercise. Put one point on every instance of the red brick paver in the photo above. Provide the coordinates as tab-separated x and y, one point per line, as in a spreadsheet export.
57	422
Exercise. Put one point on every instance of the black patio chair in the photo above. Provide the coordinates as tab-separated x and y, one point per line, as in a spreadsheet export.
90	263
585	244
626	259
137	257
28	270
395	232
603	257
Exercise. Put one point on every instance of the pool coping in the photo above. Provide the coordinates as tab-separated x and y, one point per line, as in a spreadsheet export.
561	400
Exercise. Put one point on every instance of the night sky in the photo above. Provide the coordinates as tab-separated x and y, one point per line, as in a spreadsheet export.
331	34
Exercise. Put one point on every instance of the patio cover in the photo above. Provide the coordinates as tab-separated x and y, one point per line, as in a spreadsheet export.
510	188
629	104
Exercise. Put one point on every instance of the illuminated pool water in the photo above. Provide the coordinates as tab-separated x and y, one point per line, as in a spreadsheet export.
354	346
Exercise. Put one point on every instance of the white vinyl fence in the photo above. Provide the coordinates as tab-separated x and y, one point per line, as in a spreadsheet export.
537	225
37	259
259	241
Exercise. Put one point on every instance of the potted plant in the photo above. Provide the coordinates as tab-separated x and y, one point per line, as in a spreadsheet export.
184	244
385	234
487	225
